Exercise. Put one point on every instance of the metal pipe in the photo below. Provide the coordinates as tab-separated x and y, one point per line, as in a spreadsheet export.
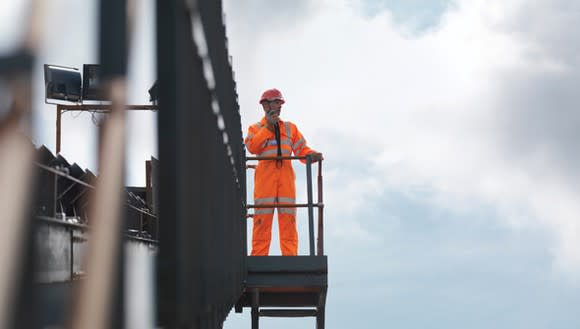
58	127
284	205
320	212
141	223
104	107
141	211
68	189
310	204
60	173
255	309
55	191
81	193
288	313
303	157
71	254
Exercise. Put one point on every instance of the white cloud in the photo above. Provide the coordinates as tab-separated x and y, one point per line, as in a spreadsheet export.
429	111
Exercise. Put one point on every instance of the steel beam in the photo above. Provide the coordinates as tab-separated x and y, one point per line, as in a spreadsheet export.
288	313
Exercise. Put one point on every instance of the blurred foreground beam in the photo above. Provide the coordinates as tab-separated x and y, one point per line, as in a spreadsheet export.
16	159
96	296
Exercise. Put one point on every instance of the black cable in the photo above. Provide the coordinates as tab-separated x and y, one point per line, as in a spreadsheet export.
277	134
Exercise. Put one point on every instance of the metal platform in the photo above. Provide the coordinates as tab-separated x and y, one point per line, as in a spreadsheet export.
296	286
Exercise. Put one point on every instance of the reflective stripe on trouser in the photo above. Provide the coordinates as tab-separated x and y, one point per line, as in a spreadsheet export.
274	185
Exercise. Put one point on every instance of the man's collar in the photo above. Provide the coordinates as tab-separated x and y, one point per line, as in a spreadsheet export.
263	121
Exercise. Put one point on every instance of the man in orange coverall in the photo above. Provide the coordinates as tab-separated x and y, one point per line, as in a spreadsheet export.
274	180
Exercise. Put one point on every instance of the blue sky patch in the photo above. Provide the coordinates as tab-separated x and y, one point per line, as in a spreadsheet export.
416	15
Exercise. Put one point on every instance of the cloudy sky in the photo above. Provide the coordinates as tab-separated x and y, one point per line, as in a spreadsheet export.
450	134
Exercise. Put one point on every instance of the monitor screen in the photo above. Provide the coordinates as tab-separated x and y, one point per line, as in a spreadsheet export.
92	83
62	83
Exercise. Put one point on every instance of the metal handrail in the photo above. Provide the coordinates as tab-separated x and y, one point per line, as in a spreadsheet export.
284	205
294	157
310	203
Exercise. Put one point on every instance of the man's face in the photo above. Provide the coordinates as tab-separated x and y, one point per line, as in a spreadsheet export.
275	105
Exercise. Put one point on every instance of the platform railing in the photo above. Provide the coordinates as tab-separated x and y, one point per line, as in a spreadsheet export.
309	195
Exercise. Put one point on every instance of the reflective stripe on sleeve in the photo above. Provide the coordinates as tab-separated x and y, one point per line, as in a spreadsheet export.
298	144
288	131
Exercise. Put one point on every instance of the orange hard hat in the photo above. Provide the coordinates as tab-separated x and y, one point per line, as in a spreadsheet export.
272	95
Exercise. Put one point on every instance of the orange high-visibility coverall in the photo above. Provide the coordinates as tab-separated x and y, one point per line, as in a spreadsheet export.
275	183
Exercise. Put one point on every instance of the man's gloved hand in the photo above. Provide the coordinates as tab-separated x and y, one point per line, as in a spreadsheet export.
316	156
273	117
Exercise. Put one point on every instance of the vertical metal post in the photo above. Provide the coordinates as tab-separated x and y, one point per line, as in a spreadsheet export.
320	318
141	224
55	195
148	185
310	204
156	237
71	254
255	309
58	127
100	296
320	212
